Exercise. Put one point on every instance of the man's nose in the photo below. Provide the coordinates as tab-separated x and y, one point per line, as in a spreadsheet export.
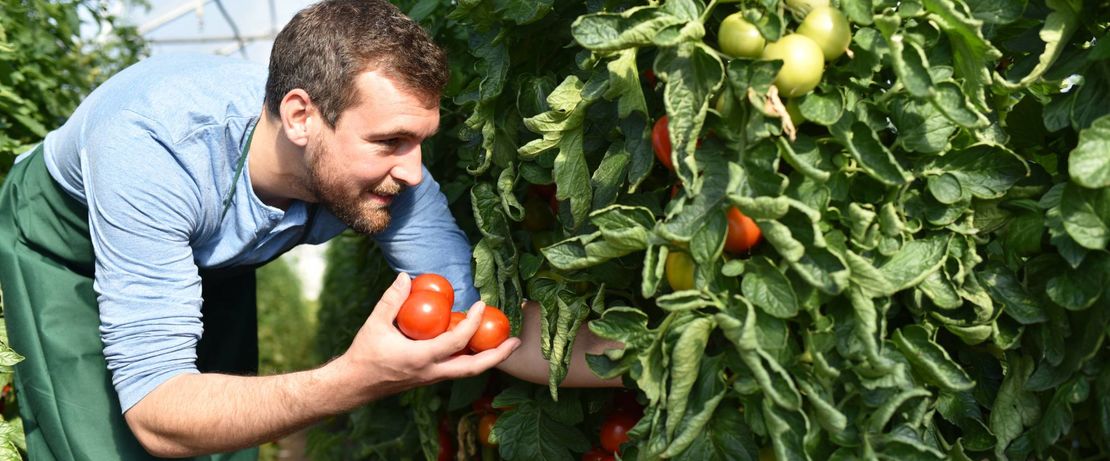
409	170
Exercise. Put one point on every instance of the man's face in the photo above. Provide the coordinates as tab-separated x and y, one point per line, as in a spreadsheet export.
372	154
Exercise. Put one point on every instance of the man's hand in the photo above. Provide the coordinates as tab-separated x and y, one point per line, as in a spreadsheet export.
195	414
397	363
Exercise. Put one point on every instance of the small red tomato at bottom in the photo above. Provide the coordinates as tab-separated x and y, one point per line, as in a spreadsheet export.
446	444
483	405
614	431
485	426
597	454
493	330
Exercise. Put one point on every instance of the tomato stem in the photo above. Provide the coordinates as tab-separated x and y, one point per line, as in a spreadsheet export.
708	11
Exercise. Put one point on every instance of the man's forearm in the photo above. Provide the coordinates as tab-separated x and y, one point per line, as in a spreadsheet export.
527	362
212	413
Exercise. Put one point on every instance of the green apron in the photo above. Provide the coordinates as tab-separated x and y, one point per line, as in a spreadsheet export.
69	408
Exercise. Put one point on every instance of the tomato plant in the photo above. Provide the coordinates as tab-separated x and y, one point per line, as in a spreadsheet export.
434	283
739	38
930	280
424	315
597	454
493	330
802	64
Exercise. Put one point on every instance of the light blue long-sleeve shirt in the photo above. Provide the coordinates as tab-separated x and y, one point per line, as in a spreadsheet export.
153	153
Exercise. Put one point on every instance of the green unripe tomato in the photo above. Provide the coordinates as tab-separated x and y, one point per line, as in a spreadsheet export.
739	38
828	27
802	64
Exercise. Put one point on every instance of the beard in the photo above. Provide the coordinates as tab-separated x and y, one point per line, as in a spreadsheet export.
347	201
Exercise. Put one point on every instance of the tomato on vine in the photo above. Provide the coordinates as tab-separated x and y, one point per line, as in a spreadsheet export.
661	142
802	64
424	315
493	330
743	233
680	271
485	427
614	431
827	27
435	283
739	38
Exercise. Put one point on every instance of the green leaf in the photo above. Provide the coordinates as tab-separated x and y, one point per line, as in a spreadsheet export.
724	438
865	275
930	360
1077	289
805	158
693	74
786	429
686	359
823	269
708	393
875	159
769	289
1058	29
1086	215
915	261
910	65
526	432
987	171
997	11
822	108
570	317
946	188
1089	162
922	127
1016	300
635	27
972	52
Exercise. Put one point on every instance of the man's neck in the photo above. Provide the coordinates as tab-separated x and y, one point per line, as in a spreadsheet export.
276	165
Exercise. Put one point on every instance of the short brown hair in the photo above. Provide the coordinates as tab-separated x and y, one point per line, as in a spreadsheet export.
325	46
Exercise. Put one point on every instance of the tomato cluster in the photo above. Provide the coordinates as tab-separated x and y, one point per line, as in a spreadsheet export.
823	35
427	314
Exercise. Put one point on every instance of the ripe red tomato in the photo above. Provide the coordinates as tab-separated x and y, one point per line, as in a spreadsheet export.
661	142
614	431
743	234
436	283
424	315
597	454
456	317
485	426
493	331
446	444
680	271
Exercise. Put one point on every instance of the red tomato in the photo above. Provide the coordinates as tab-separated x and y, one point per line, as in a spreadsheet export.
493	331
424	315
661	142
446	444
485	426
456	317
743	234
436	283
484	404
649	77
614	431
597	454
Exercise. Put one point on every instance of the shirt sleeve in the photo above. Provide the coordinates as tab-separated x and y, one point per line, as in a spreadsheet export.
144	210
423	238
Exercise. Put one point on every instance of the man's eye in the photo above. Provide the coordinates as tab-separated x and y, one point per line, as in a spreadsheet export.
391	142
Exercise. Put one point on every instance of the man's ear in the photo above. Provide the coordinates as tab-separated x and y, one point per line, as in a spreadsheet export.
297	113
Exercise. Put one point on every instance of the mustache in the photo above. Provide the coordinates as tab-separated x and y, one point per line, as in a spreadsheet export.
388	187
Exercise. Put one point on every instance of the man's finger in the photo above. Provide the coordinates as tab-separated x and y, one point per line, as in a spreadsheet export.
472	365
455	339
391	301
